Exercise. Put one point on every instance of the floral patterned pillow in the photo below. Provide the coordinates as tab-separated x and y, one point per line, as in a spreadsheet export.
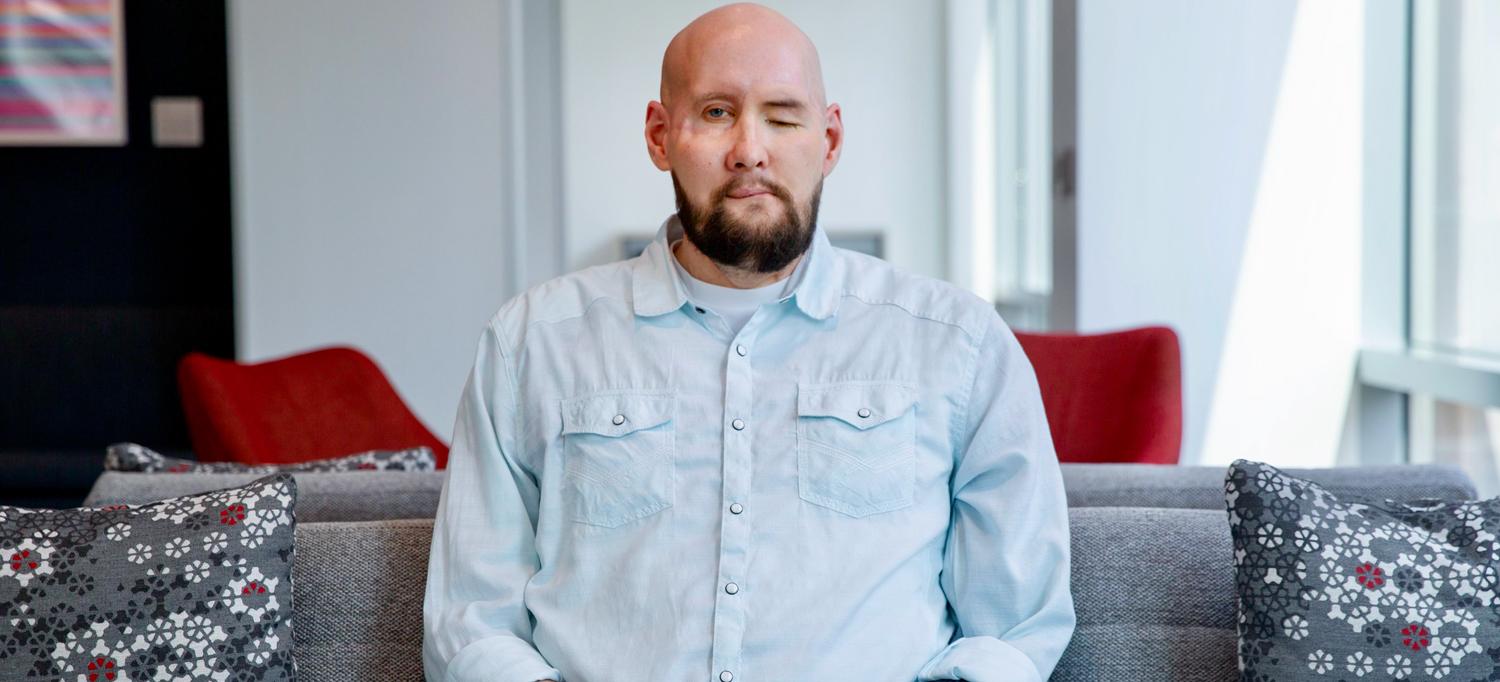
133	457
1339	589
185	589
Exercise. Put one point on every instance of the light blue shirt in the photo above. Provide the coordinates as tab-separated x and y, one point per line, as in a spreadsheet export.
736	306
857	485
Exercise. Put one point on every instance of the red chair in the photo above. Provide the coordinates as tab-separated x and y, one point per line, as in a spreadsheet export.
1114	397
324	403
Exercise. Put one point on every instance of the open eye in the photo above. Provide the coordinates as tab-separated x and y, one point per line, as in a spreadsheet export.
721	110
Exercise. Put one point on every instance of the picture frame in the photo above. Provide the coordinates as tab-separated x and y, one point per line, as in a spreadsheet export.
62	73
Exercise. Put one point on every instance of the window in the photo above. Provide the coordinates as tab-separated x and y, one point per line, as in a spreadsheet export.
1004	90
1454	233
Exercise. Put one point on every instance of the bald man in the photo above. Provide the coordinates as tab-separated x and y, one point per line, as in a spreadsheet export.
747	455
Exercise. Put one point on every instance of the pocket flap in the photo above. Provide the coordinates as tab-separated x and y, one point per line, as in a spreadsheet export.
860	404
598	413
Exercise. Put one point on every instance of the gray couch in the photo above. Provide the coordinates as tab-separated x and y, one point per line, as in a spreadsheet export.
1153	580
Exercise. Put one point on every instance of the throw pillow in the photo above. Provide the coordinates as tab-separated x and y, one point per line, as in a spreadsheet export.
185	589
1339	589
133	457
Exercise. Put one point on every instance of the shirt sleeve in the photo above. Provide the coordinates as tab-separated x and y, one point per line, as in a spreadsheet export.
1006	569
475	622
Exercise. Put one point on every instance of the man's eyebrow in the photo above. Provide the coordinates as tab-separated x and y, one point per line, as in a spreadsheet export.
783	103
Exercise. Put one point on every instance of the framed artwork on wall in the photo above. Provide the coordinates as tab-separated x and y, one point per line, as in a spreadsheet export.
62	72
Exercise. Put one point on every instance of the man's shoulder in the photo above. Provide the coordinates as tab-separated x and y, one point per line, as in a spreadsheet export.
876	282
565	297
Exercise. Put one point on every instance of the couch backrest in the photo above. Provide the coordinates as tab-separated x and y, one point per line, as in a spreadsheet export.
321	496
1202	487
375	495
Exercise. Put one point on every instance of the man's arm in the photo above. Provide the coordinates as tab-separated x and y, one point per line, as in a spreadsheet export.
1006	569
475	622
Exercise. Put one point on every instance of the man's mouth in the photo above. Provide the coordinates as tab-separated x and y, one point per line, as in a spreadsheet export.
747	192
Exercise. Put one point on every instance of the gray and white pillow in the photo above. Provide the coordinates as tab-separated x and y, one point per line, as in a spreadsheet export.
1339	589
133	457
189	589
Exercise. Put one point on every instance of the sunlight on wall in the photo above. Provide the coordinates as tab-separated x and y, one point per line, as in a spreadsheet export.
1289	354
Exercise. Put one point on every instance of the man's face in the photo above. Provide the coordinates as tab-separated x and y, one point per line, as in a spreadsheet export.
748	143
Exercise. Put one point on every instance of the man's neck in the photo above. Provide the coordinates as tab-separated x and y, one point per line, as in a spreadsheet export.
704	269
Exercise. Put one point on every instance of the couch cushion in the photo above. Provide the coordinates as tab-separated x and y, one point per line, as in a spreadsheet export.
1202	487
322	496
359	590
1153	590
194	588
1143	613
1355	587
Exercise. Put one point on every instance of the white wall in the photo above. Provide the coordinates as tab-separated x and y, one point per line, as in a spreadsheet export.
882	62
1219	170
368	172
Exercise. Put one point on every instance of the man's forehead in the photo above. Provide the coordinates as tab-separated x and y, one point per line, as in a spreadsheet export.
745	51
744	81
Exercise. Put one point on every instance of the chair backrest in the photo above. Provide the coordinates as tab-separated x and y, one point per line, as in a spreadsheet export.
1113	397
323	403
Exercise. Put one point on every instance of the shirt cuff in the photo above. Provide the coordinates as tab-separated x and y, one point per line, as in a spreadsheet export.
504	658
980	659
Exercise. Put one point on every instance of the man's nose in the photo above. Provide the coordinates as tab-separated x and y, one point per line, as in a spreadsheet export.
748	152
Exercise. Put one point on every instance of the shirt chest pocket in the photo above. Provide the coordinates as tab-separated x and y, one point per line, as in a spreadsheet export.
856	446
618	459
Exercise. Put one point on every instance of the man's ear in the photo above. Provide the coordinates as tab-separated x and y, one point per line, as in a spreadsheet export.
656	134
834	132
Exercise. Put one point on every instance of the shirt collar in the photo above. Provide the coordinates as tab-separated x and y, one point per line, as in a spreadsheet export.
657	289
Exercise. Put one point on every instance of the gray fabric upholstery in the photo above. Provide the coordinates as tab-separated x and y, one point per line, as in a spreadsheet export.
375	495
321	496
1154	593
1202	487
358	589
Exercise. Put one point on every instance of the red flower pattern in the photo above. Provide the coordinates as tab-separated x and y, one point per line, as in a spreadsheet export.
1369	575
253	587
232	514
22	558
101	668
1415	636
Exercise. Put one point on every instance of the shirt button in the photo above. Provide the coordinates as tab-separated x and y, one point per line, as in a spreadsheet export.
738	424
732	588
726	676
736	508
619	419
864	412
700	310
741	350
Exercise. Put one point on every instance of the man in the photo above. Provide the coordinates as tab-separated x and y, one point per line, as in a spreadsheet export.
746	455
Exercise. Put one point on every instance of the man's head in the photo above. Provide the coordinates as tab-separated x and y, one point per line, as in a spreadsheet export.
744	127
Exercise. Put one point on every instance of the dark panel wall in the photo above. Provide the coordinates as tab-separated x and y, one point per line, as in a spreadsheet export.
114	261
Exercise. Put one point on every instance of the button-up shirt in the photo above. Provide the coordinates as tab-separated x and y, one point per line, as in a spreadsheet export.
859	484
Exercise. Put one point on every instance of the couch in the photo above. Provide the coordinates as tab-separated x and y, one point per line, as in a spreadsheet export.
1153	578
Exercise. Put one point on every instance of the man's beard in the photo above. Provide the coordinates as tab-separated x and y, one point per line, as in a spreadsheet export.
730	242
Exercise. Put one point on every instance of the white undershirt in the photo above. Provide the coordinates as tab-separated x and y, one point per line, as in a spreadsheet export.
736	306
